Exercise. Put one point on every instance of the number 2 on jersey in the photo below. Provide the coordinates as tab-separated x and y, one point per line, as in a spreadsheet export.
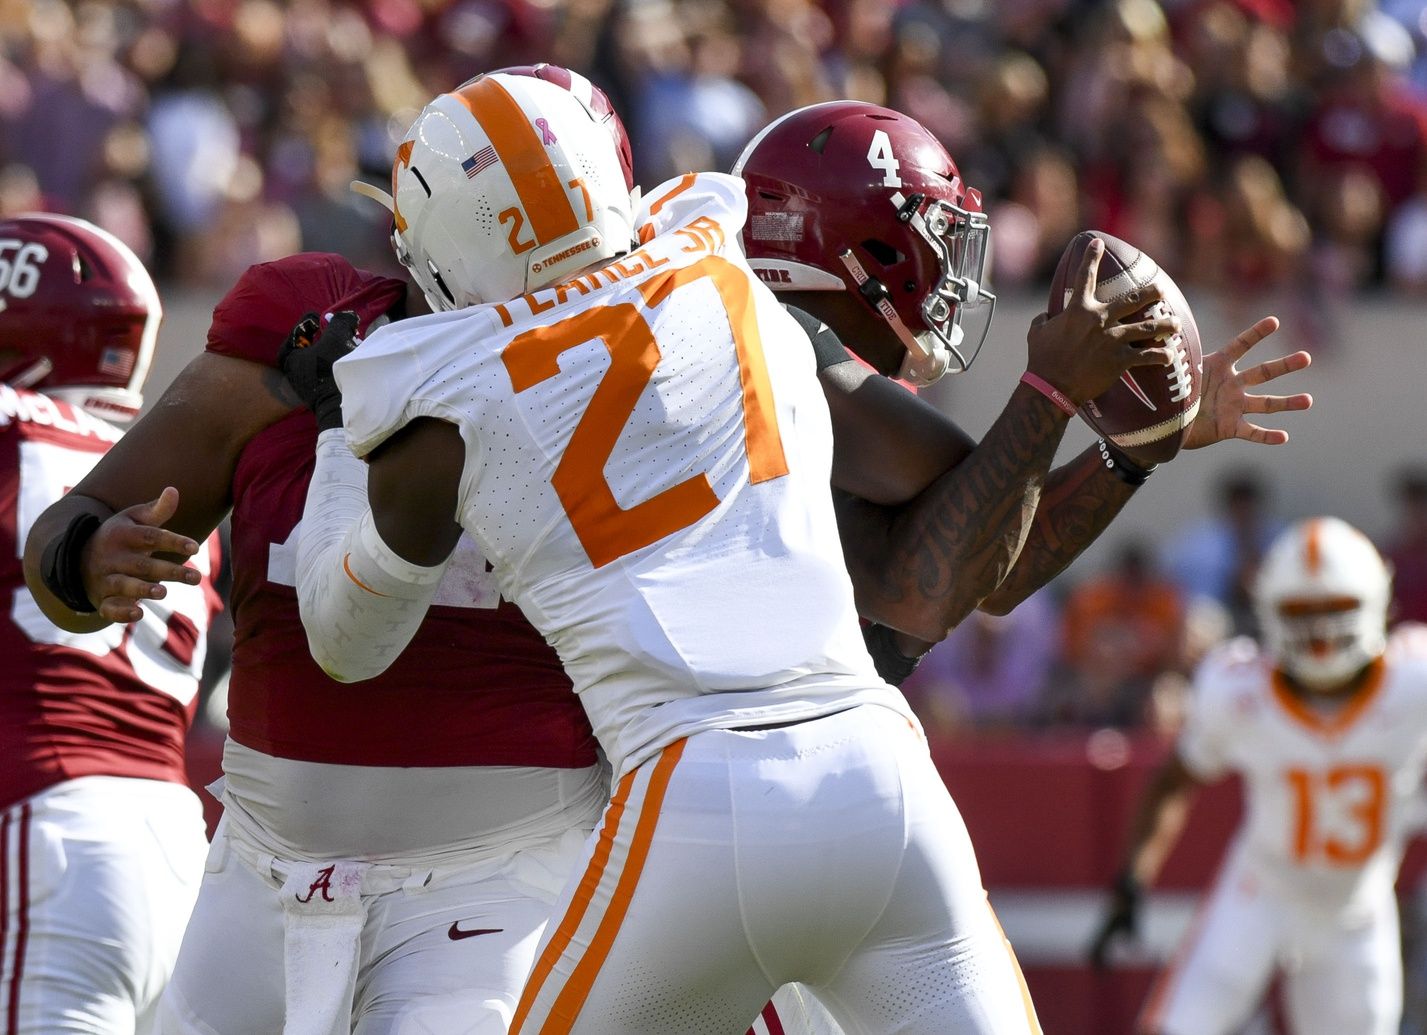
606	530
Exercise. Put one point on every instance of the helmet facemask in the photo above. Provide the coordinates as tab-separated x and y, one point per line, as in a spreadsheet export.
1323	643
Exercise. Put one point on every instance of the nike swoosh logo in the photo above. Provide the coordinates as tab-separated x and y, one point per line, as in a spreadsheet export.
456	934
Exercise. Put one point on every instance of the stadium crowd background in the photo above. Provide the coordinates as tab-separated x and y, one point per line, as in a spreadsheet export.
1258	148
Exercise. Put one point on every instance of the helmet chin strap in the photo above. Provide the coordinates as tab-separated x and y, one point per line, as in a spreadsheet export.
922	365
32	374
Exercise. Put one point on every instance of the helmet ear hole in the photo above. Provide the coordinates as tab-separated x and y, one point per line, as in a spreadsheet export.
883	252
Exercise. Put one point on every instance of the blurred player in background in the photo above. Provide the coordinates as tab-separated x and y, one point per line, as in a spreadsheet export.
389	852
1326	723
101	841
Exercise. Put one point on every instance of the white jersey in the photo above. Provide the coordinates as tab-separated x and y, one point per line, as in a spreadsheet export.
1330	795
647	461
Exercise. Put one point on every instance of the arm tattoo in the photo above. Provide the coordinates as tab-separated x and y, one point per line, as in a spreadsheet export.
924	566
1080	499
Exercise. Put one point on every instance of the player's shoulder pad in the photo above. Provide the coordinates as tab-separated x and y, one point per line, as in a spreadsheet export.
1407	647
1228	667
678	202
827	346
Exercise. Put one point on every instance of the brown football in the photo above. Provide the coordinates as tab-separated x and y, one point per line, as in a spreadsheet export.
1149	411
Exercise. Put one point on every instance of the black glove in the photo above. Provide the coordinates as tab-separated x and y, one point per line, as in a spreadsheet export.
1121	921
306	359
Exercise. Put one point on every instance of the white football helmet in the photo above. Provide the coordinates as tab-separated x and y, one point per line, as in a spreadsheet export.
1322	596
506	185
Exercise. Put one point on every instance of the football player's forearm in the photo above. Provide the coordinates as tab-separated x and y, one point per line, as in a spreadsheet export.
51	524
1079	501
921	568
1159	820
360	603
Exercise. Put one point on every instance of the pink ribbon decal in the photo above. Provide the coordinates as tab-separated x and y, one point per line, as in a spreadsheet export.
547	137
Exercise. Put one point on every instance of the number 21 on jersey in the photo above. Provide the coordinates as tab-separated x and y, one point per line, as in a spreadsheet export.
606	530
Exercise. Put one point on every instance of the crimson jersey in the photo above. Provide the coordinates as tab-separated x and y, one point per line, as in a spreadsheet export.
117	702
477	686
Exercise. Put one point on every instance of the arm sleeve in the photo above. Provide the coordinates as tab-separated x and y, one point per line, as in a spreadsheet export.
892	665
827	346
360	602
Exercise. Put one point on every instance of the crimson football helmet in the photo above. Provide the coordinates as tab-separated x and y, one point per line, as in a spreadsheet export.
1322	594
847	196
79	314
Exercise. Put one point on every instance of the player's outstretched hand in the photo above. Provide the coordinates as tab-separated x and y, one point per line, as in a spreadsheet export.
307	358
1084	349
1226	400
118	563
1120	921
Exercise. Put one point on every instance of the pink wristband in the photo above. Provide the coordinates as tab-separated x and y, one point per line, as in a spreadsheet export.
1048	390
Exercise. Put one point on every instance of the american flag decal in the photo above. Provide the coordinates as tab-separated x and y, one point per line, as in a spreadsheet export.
116	362
479	162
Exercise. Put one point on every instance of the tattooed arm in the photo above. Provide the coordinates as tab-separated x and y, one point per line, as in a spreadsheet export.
1079	501
922	563
923	566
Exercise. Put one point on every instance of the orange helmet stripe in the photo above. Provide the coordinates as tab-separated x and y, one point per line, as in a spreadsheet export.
542	194
403	158
1313	547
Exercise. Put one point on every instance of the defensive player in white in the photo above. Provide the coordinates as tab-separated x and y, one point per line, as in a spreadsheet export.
101	841
640	446
1326	723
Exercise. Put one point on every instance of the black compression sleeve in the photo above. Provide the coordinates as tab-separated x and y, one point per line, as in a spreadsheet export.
892	664
827	346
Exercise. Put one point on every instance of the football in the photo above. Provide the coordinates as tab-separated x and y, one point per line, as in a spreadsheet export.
1148	413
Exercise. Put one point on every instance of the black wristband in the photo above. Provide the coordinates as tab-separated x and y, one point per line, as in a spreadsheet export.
892	665
60	568
1125	469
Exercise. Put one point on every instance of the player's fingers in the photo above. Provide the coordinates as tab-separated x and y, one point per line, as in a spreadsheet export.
1247	339
145	538
117	587
157	511
1277	403
1088	274
1274	368
120	610
1128	305
1263	436
1146	356
1158	327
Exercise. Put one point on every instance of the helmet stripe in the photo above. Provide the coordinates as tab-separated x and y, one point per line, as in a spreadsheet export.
542	195
1313	547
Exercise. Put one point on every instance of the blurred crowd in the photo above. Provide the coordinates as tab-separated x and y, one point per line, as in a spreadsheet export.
1256	146
1117	648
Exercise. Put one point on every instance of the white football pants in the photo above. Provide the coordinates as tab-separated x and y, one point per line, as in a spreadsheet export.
826	852
1337	977
440	951
97	879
